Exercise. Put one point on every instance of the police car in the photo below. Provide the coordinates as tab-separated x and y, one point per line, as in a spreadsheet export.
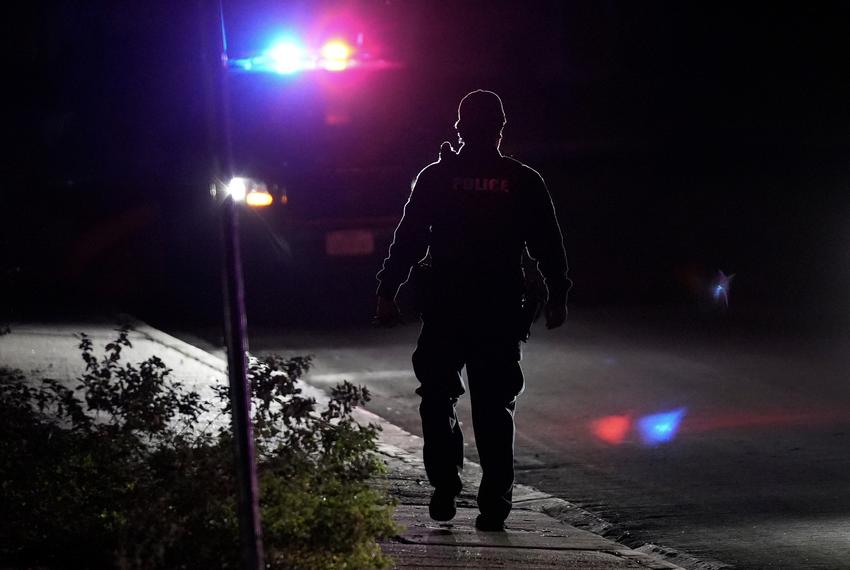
320	108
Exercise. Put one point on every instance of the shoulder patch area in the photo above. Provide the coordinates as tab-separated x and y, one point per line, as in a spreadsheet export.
447	152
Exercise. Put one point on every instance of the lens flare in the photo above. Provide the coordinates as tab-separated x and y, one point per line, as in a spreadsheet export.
720	288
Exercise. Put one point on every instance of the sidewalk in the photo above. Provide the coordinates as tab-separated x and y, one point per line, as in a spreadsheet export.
532	538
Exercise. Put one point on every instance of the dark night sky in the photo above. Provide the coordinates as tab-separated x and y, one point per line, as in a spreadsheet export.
677	138
614	74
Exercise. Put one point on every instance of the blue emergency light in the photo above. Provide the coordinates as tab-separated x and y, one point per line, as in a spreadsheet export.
289	56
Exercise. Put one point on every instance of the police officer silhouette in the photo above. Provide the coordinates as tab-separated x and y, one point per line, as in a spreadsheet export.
473	214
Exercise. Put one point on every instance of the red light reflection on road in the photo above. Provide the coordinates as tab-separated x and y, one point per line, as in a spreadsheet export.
760	419
612	429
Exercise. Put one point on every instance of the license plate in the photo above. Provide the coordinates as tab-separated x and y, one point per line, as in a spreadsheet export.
349	242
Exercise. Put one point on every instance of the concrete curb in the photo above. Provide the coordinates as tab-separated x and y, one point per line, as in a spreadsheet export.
173	343
200	355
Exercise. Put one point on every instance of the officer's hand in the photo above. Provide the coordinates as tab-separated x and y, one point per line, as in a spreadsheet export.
387	313
556	314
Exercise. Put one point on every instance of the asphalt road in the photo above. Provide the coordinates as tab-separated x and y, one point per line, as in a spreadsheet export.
748	466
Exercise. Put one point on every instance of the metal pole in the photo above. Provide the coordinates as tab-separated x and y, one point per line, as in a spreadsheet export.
240	394
235	322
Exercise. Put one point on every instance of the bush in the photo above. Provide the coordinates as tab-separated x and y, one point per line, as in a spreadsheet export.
121	471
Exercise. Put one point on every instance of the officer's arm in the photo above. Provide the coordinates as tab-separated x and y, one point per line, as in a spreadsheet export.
545	241
410	242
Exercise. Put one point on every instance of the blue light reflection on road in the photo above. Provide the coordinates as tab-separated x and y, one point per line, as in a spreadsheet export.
660	428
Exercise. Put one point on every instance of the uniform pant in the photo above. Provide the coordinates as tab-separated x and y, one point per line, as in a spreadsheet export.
490	352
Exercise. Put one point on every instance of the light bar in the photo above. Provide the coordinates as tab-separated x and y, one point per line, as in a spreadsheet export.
287	57
290	56
336	55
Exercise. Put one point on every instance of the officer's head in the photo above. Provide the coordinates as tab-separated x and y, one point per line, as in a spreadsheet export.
480	118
